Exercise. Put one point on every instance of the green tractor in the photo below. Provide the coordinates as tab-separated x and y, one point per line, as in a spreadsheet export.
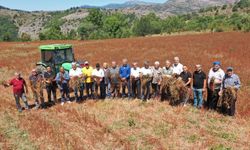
55	56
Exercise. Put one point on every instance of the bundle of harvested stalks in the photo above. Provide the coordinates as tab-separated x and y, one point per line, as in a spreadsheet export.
229	96
174	88
76	82
145	80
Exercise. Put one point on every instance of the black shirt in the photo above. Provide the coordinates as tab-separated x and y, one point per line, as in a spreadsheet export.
198	79
185	76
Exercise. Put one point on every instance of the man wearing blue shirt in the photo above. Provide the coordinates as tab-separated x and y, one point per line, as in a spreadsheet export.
125	77
230	80
62	80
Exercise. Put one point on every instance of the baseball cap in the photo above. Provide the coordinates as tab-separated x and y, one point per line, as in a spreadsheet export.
229	68
216	63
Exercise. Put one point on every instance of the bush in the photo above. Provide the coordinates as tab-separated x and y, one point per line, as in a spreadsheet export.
25	37
8	30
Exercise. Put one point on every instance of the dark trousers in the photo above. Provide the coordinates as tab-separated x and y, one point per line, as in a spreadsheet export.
115	89
90	89
156	89
64	91
51	90
101	87
146	91
212	99
126	85
17	99
80	89
136	89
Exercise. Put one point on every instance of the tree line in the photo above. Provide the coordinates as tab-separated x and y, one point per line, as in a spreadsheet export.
101	24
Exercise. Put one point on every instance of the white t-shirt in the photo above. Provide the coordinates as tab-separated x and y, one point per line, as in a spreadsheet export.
218	75
77	72
98	73
146	71
178	69
135	72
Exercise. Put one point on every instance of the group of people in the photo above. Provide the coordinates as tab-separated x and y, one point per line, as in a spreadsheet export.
125	81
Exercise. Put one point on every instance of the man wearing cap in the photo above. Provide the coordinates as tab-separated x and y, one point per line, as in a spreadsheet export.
114	80
199	86
215	77
20	90
98	76
230	80
135	80
36	84
75	74
62	80
157	79
146	78
177	66
87	73
49	77
125	78
106	79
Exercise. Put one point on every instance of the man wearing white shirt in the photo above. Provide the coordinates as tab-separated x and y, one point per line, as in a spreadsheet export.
146	78
75	75
215	78
98	76
136	82
177	66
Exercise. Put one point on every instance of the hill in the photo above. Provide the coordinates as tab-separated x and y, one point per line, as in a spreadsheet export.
123	124
66	24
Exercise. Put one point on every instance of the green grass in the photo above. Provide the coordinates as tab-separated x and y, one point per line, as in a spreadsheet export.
16	137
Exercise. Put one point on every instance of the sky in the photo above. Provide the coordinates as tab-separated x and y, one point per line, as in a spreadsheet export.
33	5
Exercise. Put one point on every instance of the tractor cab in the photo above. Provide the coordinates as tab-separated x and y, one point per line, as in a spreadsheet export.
55	56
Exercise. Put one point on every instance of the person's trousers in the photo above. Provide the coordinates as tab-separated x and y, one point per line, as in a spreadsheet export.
64	91
101	88
115	89
90	89
213	97
126	85
198	97
108	89
146	91
51	90
156	89
136	89
24	99
38	94
79	88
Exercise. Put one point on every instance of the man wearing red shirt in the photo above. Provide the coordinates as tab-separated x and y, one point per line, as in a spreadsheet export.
18	84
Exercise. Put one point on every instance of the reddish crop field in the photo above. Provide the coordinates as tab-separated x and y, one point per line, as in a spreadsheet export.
85	124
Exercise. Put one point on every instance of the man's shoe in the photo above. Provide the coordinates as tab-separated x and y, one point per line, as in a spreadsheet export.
69	102
62	103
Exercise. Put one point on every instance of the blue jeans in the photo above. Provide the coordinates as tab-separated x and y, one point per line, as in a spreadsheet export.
64	91
126	85
80	89
23	97
198	98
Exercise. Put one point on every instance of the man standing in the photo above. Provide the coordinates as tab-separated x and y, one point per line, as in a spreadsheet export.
125	78
230	80
106	79
49	77
62	80
157	79
19	84
199	86
114	80
98	76
186	78
177	66
136	82
215	77
146	78
87	72
168	69
76	76
36	84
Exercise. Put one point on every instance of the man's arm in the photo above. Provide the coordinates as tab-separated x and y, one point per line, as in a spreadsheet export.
237	83
129	72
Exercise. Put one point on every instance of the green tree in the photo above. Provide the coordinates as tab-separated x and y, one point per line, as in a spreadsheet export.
85	29
96	17
8	30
